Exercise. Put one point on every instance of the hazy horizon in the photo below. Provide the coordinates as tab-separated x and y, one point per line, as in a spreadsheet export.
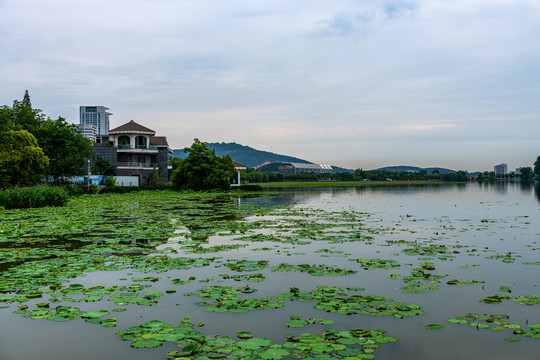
425	83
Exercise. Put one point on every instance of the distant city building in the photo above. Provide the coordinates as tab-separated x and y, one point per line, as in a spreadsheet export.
288	168
97	116
501	169
88	131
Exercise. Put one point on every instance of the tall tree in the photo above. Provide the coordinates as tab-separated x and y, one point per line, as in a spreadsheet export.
65	147
61	142
26	100
202	169
24	117
537	166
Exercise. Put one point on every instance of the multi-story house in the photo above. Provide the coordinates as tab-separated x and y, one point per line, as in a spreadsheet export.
136	151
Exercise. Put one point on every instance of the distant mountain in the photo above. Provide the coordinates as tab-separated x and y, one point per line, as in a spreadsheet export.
249	156
416	169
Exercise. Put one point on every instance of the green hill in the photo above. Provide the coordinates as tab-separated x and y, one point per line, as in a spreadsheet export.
249	156
244	154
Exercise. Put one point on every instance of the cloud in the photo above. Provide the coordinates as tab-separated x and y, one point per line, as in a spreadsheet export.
324	79
360	22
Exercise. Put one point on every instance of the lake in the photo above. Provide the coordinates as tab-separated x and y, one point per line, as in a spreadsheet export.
290	273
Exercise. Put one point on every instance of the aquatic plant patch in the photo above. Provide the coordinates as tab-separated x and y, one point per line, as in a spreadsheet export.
497	322
357	343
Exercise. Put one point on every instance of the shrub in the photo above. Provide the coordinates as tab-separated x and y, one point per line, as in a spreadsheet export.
33	197
158	186
93	189
250	187
113	190
110	181
72	190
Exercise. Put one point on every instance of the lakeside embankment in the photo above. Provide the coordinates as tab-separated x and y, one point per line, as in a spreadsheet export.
345	183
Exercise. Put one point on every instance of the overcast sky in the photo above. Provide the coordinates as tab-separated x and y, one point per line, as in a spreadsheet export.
359	84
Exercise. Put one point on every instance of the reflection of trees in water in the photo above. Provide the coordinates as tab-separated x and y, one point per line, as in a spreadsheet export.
537	189
526	186
502	187
410	189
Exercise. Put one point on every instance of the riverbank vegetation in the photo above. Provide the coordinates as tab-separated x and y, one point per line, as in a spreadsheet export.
33	197
252	175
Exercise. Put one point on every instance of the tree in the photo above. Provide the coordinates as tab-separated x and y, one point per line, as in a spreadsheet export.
65	147
154	178
537	166
24	117
103	166
175	162
202	169
26	100
22	161
62	143
526	173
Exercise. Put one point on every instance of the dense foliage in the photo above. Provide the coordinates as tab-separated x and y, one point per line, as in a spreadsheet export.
202	169
33	146
103	166
127	189
33	197
22	161
65	147
537	166
252	175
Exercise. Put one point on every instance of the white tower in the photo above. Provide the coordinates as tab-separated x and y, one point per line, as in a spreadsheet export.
97	116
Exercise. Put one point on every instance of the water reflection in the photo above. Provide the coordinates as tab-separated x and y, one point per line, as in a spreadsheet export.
537	190
526	187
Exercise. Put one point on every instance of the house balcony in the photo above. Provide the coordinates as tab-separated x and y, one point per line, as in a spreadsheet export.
136	165
141	149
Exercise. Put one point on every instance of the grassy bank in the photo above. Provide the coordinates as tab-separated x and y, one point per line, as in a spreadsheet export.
344	183
33	197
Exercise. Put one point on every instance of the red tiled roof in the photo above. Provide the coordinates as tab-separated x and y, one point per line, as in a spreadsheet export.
132	126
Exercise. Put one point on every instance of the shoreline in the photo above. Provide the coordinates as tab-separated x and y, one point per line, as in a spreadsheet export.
348	183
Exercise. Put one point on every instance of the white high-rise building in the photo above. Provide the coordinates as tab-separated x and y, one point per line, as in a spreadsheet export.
501	169
97	116
88	131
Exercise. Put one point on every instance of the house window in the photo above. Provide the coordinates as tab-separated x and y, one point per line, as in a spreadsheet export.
140	142
123	140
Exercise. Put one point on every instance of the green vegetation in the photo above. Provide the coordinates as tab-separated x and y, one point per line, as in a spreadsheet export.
331	344
497	322
305	276
254	176
245	155
33	146
22	161
526	173
65	147
203	170
33	197
102	166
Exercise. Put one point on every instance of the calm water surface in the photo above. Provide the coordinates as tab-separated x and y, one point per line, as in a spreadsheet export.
491	230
